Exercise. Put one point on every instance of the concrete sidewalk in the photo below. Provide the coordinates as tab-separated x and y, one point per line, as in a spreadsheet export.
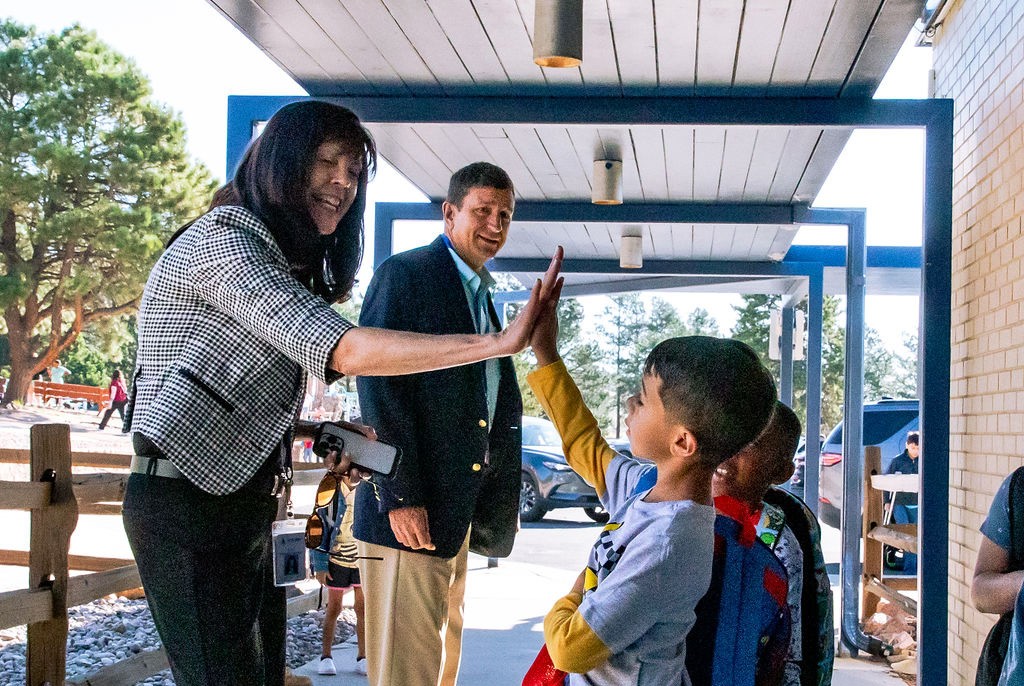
505	608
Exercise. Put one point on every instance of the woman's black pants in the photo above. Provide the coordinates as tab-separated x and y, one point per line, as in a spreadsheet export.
206	567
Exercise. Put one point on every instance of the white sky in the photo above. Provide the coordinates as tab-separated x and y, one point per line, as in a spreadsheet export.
195	58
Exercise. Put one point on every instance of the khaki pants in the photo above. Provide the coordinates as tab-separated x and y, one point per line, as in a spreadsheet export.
414	618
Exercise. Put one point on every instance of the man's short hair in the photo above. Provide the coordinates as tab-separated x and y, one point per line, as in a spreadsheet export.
715	387
477	175
914	437
780	439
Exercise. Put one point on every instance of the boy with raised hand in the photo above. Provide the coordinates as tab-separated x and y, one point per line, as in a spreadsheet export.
702	399
743	490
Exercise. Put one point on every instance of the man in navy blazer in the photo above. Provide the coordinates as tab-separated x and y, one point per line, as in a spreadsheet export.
456	487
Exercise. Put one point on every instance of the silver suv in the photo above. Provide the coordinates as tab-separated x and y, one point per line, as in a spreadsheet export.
886	424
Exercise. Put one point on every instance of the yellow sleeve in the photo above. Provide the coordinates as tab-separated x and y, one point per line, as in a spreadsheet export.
572	644
585	449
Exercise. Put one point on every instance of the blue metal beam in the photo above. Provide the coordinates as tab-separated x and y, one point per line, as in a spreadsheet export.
527	211
652	267
812	457
662	110
653	283
933	518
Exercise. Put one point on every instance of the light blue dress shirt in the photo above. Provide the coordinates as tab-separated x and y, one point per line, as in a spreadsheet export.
477	286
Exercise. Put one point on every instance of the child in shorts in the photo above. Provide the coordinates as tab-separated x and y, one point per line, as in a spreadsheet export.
338	572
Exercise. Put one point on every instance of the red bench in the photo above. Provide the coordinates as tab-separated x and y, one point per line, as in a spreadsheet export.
45	390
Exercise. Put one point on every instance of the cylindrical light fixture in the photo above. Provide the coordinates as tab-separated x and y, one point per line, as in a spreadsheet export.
558	33
607	183
631	248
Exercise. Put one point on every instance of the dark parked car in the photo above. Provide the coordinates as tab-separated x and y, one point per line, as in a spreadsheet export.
886	424
548	481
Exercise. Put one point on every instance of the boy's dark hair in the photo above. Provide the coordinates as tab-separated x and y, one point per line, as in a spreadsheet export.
914	437
477	175
780	438
716	388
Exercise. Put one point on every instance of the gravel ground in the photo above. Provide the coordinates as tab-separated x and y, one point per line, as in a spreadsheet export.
114	628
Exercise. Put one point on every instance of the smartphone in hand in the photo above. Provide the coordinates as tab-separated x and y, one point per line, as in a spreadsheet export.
369	454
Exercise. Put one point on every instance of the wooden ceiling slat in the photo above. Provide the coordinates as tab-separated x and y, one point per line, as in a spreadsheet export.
407	164
703	239
727	240
440	144
795	156
739	151
830	144
676	32
565	160
344	32
761	242
764	162
782	241
633	31
506	28
679	161
801	37
716	43
708	148
843	39
376	22
458	20
599	70
632	188
263	30
429	40
762	19
649	147
536	157
464	139
504	154
682	241
296	21
873	61
661	241
413	147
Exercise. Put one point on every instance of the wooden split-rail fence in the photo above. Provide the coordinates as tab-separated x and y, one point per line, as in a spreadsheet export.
55	496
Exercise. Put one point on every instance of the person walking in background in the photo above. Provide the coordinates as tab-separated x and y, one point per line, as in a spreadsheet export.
338	571
456	487
237	311
118	399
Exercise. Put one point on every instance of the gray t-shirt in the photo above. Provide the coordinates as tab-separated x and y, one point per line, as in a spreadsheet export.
649	568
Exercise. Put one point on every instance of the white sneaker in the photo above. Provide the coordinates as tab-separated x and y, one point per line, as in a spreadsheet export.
327	666
361	666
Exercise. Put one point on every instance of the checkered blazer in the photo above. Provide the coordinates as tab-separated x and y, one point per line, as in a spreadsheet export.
225	334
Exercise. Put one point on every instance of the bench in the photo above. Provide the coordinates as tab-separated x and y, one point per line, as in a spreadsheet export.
45	390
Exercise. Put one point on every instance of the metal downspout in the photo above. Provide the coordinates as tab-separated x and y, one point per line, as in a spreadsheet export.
853	443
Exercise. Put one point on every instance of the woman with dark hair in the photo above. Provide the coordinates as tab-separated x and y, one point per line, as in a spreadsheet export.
234	315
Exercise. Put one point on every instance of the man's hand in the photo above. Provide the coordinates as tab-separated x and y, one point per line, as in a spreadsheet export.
411	528
516	335
544	339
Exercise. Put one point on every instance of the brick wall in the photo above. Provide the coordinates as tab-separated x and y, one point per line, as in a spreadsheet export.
979	62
